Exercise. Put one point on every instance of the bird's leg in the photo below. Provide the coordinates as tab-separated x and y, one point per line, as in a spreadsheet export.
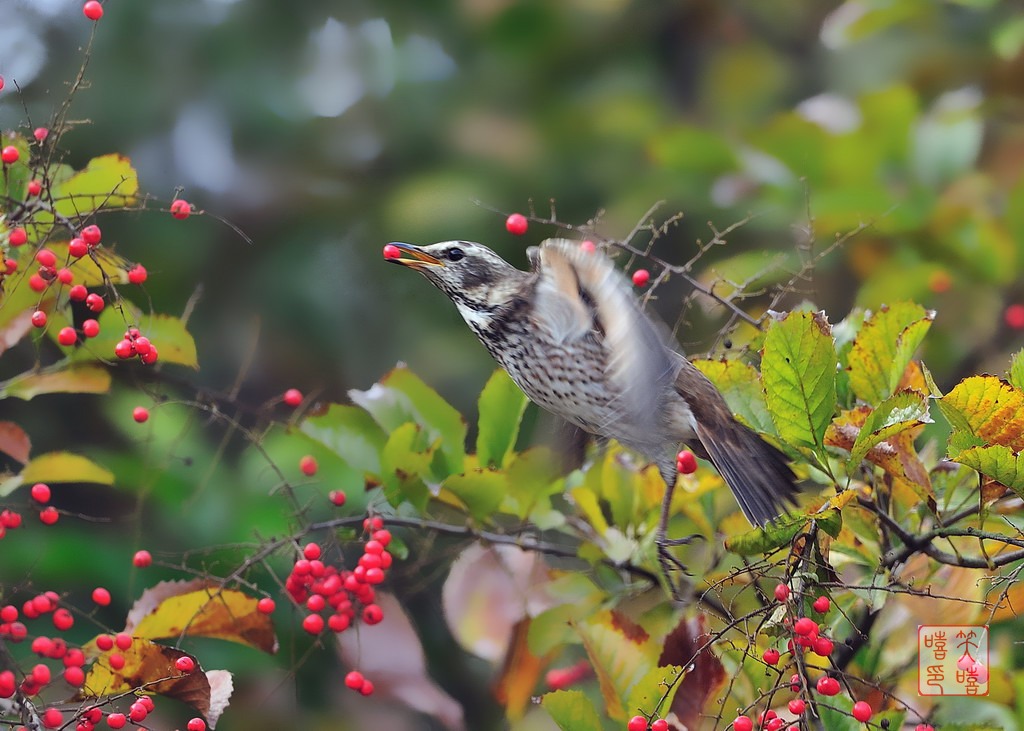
668	562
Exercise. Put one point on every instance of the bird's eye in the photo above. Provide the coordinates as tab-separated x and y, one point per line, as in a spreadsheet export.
455	254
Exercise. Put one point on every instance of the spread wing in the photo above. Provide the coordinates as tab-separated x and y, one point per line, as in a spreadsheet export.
581	295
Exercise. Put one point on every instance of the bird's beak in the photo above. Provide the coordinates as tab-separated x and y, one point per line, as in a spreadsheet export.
410	256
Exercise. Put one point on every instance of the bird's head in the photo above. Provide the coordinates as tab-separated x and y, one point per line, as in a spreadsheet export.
473	276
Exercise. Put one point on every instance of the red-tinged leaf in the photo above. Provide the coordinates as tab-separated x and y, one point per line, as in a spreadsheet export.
16	326
520	673
991	409
489	590
687	647
198	608
14	442
390	655
81	378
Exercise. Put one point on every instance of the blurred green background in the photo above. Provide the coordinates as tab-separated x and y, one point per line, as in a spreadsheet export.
322	130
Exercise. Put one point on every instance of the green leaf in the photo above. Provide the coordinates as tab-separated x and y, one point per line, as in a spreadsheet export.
404	459
884	347
349	432
798	369
621	653
740	383
108	181
654	692
55	467
776	534
167	333
898	413
83	378
998	462
481	490
532	475
401	397
571	710
501	408
1016	373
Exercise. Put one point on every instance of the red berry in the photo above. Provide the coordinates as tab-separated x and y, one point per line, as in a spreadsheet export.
588	246
775	724
781	592
862	711
123	640
95	302
181	209
311	551
9	267
137	712
354	680
101	596
46	258
65	276
185	664
63	620
93	10
266	605
822	646
372	524
641	277
1014	316
797	706
337	497
78	248
742	723
91	235
374	576
124	349
308	465
53	718
686	462
374	546
367	688
104	642
383	537
10	154
391	251
149	357
116	720
37	283
17	237
142	559
41	674
827	685
34	188
659	725
292	397
313	623
142	345
78	293
637	723
90	328
8	614
195	724
924	727
137	274
771	656
74	676
821	604
49	515
517	224
40	133
38	318
140	414
805	626
338	622
372	614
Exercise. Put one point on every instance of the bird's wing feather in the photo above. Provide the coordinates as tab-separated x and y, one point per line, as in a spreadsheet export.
581	294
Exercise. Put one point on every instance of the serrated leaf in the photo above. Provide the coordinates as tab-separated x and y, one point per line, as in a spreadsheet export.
571	710
1016	373
167	333
482	491
884	347
998	462
349	432
65	467
798	369
740	384
404	460
655	690
83	378
905	410
621	652
991	409
776	534
501	408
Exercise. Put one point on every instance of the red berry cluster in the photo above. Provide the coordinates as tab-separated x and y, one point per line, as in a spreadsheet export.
639	723
135	343
806	635
48	515
340	595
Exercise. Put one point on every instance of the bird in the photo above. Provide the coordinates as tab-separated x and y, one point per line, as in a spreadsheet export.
574	337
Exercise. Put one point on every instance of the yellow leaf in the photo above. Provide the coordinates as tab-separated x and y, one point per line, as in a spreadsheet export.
173	609
992	408
884	347
65	467
74	379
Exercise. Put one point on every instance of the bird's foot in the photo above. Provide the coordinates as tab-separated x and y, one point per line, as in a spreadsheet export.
684	541
671	567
